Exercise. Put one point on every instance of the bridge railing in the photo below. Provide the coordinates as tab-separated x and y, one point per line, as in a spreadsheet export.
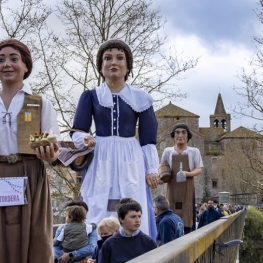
201	246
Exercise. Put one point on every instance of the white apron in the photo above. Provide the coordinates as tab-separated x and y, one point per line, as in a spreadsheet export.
117	171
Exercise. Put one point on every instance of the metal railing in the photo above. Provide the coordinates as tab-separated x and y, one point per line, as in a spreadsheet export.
205	245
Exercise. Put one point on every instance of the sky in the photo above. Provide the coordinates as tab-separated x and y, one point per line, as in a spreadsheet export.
220	33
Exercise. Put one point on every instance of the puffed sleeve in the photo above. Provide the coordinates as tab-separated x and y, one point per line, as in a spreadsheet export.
166	156
198	162
147	127
84	111
147	137
83	118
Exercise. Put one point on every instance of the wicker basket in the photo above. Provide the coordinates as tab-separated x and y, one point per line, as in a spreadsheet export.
44	143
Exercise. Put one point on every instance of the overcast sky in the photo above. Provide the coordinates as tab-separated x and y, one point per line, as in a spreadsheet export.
220	33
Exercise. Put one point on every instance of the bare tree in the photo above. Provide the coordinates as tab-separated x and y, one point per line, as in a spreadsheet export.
66	60
20	19
238	169
64	55
251	87
91	22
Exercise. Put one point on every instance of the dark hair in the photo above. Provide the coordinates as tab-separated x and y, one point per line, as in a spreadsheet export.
161	202
76	213
120	45
182	126
78	203
24	51
126	205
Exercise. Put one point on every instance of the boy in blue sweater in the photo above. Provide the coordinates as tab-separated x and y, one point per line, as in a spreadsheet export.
130	242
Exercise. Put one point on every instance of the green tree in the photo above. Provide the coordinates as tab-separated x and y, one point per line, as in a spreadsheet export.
251	248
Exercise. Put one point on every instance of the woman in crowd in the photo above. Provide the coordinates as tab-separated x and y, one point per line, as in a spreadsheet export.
122	165
108	227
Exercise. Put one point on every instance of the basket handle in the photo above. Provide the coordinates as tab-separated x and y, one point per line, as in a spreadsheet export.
68	130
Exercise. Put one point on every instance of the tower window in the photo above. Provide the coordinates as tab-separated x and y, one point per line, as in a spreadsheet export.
214	183
223	124
216	123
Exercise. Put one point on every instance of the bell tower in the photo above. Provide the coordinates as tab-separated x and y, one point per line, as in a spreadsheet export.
220	119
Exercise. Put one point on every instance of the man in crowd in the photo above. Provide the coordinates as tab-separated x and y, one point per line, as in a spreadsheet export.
169	225
209	215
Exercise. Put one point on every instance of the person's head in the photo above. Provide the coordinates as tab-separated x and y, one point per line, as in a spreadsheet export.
181	133
108	227
17	52
202	209
129	214
215	204
75	214
105	53
210	204
222	207
160	204
78	203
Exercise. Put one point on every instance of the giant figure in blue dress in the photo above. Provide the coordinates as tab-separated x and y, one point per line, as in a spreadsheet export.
122	165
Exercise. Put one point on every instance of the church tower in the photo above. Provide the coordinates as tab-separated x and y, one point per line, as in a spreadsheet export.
220	118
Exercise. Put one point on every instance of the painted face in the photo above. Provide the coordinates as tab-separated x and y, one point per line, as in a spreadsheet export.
131	222
114	65
12	68
180	136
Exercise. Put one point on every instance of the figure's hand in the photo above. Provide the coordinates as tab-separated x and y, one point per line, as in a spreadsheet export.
48	153
89	141
152	180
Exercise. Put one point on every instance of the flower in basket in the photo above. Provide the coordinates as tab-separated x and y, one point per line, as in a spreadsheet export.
44	139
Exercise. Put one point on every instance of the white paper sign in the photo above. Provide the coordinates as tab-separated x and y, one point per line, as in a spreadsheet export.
12	191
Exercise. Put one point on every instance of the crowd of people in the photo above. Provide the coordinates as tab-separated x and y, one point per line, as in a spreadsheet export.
209	212
117	219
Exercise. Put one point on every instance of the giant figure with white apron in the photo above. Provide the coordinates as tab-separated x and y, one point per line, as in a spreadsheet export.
123	166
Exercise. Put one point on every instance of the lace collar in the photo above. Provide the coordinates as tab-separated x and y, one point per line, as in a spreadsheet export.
138	99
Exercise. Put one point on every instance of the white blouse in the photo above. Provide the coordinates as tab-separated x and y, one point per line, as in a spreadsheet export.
8	133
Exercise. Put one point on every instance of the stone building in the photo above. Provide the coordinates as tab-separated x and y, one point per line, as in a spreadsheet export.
222	150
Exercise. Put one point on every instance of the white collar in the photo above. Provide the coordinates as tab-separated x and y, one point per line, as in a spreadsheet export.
27	89
138	99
